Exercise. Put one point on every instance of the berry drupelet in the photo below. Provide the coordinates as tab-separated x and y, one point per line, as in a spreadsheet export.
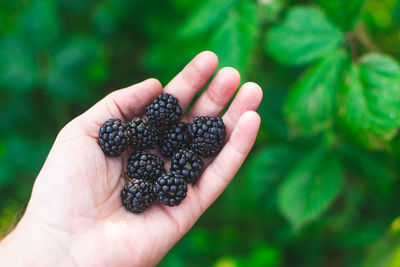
137	195
175	137
164	110
145	165
208	134
170	189
114	137
143	134
188	164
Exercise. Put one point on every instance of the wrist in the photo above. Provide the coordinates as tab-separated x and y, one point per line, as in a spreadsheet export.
32	243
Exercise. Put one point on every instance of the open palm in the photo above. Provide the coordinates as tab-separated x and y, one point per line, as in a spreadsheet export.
76	197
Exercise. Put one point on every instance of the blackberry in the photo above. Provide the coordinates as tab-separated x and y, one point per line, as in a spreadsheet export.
208	134
174	138
145	165
164	110
170	189
114	137
188	164
143	134
137	195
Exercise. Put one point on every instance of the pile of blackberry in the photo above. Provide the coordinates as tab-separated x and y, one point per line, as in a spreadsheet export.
183	143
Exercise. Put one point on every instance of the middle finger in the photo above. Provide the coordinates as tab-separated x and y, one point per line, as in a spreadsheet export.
221	89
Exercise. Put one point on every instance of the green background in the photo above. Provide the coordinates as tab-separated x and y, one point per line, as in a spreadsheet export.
321	186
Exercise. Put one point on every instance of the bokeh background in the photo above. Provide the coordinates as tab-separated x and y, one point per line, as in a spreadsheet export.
321	186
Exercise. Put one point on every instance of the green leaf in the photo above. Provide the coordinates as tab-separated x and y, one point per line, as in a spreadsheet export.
310	105
210	13
272	9
268	166
232	37
343	13
234	41
304	36
385	252
370	100
310	187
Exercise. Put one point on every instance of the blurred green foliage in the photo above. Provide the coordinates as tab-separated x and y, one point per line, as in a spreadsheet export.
321	187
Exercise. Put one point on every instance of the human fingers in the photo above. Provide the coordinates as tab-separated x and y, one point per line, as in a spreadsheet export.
221	171
218	94
248	98
192	78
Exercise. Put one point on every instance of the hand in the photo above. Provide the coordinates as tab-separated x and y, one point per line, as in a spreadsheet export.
75	215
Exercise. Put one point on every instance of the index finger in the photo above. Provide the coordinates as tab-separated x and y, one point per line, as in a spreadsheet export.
192	78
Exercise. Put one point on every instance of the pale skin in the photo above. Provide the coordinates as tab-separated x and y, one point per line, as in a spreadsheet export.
75	216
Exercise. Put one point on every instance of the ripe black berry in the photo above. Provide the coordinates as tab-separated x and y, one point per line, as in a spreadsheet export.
113	137
137	195
164	110
145	165
208	134
175	137
170	189
143	134
188	164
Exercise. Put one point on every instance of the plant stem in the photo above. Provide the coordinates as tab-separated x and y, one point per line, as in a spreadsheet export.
351	40
362	35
